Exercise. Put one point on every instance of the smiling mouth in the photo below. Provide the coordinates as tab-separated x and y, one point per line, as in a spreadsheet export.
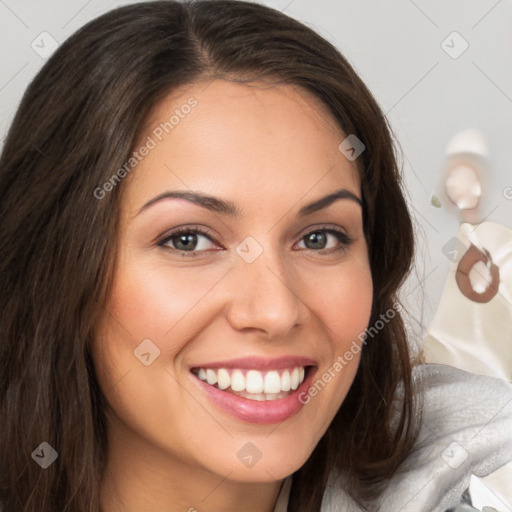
254	384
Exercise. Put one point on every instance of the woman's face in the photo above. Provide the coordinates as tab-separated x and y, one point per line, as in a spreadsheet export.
267	293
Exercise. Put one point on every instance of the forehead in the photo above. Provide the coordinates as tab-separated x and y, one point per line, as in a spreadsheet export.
217	97
225	137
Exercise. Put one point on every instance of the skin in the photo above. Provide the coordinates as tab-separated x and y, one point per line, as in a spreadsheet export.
271	150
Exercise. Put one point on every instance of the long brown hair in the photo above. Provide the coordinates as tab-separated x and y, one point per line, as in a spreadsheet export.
75	127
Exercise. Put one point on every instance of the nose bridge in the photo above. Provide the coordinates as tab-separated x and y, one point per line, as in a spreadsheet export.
263	293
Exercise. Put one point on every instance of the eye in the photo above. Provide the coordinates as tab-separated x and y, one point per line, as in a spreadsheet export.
187	241
318	240
192	241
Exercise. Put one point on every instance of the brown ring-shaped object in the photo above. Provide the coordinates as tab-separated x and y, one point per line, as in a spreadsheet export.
472	256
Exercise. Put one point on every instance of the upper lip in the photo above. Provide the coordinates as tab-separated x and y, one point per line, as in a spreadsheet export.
259	363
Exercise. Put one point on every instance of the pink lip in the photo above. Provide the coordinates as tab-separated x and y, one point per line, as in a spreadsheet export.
253	411
259	363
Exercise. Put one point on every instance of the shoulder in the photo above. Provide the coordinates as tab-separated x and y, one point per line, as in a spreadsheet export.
466	430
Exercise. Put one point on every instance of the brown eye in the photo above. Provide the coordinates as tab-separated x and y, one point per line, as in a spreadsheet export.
330	239
187	241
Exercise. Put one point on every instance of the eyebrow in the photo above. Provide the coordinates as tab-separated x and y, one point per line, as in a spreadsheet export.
226	207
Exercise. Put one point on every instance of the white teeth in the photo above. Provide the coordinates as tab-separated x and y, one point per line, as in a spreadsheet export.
237	381
223	379
253	384
211	377
272	382
285	381
294	379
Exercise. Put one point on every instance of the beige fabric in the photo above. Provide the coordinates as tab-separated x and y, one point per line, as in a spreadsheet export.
478	337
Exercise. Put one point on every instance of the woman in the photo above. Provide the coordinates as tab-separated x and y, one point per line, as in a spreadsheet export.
202	241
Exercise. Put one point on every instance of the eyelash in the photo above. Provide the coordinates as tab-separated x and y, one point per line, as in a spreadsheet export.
342	237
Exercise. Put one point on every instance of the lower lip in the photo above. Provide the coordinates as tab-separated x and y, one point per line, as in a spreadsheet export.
254	411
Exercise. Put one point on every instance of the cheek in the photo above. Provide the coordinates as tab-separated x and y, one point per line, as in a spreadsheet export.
143	305
148	301
342	300
147	308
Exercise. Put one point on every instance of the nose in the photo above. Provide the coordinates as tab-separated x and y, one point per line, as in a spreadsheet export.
264	296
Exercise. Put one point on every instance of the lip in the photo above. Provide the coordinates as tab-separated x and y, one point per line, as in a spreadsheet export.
258	363
253	411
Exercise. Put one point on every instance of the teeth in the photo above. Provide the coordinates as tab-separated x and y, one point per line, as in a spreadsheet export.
223	379
211	377
237	381
272	383
294	379
285	381
253	384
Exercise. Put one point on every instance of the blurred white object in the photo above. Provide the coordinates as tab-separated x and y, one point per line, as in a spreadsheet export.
474	336
463	187
482	496
463	179
468	141
480	277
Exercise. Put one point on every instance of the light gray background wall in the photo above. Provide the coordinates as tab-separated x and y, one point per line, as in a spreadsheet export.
396	46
